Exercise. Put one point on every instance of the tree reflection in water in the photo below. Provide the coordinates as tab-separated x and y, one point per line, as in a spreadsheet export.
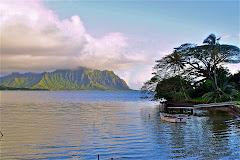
212	134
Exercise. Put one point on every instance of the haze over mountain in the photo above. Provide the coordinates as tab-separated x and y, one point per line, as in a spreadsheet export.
66	79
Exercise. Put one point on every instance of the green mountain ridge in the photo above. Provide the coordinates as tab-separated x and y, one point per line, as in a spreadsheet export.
79	79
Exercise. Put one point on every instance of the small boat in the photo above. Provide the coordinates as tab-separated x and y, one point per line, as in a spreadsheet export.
172	119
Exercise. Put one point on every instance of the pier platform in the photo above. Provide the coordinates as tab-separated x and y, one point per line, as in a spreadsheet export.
181	109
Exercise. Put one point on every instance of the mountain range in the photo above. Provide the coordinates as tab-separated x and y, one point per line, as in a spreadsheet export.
66	79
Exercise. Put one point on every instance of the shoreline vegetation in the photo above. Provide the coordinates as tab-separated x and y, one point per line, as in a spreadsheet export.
195	74
5	88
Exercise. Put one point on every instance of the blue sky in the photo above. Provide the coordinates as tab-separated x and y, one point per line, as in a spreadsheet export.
156	26
123	36
171	20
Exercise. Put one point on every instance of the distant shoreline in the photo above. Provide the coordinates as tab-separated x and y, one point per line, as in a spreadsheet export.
20	89
29	89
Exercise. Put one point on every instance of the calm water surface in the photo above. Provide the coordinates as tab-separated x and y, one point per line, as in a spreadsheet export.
118	125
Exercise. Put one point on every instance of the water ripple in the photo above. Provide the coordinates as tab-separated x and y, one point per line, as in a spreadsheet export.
78	125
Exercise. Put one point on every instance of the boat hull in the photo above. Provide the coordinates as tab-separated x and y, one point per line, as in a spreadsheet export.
172	119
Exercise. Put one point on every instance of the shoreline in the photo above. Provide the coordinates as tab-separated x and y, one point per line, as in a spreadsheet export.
67	90
233	110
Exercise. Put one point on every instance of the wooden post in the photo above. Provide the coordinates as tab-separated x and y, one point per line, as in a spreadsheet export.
167	110
98	156
181	110
191	111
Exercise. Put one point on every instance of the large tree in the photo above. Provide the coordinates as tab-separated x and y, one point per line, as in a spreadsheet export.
195	62
173	89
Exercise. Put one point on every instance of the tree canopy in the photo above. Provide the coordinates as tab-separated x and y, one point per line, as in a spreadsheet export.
195	64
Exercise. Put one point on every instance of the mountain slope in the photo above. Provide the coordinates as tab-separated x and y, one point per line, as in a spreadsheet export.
80	79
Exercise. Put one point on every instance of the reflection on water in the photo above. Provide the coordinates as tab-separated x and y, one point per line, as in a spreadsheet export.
81	125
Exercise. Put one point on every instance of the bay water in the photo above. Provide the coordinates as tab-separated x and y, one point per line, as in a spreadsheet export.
111	124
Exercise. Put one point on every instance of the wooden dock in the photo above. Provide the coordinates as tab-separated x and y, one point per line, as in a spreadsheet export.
215	105
198	106
181	109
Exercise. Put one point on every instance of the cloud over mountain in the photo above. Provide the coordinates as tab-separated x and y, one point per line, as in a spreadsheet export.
33	38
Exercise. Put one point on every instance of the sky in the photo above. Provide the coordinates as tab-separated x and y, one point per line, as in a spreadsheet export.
124	36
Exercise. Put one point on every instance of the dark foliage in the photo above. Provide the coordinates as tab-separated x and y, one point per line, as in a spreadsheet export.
24	89
202	66
172	89
236	80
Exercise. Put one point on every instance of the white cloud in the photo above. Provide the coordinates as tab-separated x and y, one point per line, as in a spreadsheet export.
226	36
33	38
234	68
136	77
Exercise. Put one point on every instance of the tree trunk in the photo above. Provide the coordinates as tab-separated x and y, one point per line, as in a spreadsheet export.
183	90
214	72
215	81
